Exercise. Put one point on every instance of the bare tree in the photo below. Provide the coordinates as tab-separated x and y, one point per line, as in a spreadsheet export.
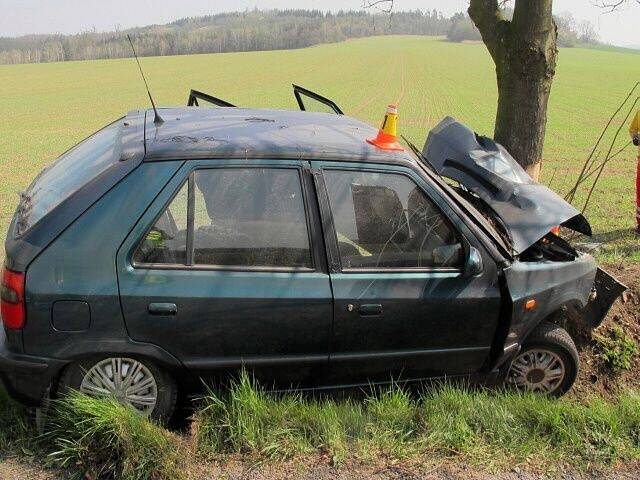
525	53
524	50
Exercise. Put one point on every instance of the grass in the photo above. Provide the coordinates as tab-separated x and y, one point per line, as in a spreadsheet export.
492	430
479	427
49	107
617	348
15	430
104	439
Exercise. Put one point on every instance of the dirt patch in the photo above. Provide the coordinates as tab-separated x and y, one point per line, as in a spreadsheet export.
15	469
318	467
595	376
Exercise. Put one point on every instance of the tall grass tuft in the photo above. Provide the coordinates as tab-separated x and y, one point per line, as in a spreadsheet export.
15	430
489	428
107	440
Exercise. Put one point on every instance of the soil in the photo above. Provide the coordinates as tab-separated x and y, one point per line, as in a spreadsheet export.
312	468
595	376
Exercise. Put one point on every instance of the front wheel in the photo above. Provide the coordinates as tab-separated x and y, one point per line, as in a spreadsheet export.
548	362
137	383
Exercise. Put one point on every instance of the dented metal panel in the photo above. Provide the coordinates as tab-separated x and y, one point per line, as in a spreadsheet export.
528	209
552	285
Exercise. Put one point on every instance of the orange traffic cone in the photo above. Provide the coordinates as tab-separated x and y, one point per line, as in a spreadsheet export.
386	138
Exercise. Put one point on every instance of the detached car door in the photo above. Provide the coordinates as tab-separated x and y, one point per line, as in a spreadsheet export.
221	271
405	304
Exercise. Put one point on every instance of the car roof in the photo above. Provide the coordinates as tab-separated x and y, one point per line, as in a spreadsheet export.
230	132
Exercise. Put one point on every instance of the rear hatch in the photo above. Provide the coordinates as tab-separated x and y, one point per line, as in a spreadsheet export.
70	185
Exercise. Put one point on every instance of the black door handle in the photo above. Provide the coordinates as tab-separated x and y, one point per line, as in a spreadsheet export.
370	309
163	309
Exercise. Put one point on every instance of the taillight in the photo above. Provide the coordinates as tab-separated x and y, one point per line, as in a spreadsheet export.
12	299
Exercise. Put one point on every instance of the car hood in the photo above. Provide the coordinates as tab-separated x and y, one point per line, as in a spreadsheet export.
527	209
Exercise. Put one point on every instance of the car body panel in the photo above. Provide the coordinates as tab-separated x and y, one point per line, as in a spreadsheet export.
528	209
553	285
421	330
263	319
75	268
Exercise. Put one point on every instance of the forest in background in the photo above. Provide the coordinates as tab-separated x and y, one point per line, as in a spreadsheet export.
251	30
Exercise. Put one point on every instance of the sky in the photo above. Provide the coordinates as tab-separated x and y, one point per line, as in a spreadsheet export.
21	17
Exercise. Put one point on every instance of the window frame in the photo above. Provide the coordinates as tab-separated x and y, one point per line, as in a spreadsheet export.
326	210
189	265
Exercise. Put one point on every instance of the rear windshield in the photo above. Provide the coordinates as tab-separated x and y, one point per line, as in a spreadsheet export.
67	175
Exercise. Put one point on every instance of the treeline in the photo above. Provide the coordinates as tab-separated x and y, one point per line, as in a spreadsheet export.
571	33
227	32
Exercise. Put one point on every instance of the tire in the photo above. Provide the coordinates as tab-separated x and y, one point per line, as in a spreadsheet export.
85	376
546	351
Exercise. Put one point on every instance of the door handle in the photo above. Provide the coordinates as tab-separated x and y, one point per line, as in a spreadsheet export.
163	309
370	309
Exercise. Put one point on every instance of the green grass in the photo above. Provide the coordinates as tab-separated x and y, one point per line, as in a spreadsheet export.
104	439
47	108
15	430
617	348
490	429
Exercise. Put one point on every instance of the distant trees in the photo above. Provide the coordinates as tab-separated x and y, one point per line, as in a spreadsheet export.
227	32
462	29
570	32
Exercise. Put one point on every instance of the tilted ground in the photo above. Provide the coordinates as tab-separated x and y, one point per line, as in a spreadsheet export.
49	107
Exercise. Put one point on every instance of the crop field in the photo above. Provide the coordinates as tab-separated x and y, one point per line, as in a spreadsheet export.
47	108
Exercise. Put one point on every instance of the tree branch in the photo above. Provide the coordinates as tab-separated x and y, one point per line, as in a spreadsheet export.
486	15
385	6
611	5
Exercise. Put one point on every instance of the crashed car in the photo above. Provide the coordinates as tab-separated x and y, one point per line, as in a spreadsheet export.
186	244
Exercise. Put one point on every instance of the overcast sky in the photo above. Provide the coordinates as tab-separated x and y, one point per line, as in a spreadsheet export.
20	17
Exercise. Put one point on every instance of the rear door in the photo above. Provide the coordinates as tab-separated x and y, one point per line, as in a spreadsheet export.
222	271
404	307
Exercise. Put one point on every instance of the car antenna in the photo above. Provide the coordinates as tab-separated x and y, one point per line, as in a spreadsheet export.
157	118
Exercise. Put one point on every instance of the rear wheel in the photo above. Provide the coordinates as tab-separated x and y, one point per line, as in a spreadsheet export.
548	362
137	383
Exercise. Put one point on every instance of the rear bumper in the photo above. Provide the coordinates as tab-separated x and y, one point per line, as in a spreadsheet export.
27	378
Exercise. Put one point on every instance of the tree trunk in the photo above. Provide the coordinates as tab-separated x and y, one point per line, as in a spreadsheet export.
524	52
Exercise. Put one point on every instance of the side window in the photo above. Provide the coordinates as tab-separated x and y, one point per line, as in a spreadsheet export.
385	220
250	217
242	217
166	242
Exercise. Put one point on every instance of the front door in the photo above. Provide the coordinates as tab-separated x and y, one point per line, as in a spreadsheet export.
221	272
403	306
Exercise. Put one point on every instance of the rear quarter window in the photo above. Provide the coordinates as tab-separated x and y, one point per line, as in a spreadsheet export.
65	176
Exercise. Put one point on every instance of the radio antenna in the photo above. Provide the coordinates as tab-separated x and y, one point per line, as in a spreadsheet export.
157	118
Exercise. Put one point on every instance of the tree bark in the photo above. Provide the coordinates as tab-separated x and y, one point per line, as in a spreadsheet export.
525	53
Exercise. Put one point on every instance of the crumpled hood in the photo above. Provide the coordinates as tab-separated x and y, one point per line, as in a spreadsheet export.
528	209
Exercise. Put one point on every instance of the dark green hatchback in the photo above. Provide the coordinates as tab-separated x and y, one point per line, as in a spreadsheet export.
154	255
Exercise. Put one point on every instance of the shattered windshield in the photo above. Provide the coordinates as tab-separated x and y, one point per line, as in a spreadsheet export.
491	226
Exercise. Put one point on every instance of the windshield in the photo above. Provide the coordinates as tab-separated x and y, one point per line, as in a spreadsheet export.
448	190
67	175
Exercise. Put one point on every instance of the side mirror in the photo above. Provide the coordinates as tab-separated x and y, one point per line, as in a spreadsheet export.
474	262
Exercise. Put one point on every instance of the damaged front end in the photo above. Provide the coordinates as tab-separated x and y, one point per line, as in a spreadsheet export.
546	270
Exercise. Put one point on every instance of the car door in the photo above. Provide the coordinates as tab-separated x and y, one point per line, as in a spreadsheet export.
405	304
222	272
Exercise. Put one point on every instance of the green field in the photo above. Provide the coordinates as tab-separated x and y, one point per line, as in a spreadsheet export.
48	107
